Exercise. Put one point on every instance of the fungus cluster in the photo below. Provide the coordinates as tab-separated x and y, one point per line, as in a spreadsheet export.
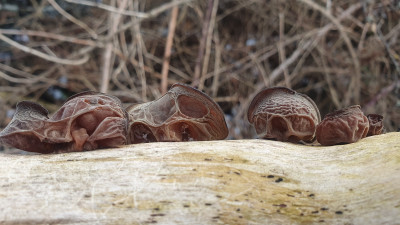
92	120
282	114
86	121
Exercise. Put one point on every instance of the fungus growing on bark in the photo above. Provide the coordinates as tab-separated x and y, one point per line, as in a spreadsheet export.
282	114
343	126
86	121
375	124
182	114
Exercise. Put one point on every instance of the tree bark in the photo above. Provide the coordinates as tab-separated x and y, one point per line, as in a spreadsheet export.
218	182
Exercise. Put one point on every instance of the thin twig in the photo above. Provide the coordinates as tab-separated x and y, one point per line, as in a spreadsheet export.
168	47
392	58
270	50
152	13
53	36
21	80
355	84
105	78
114	21
140	51
43	55
328	79
208	44
173	69
281	48
202	45
218	50
383	93
264	75
16	71
276	72
73	19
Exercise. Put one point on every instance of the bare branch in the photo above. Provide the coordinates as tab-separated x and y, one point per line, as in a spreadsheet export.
167	52
73	19
43	55
152	13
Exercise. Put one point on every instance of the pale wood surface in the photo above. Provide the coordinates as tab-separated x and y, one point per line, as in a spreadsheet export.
220	182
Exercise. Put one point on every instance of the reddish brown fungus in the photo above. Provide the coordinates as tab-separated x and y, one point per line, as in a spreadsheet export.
282	114
86	121
343	126
182	114
375	124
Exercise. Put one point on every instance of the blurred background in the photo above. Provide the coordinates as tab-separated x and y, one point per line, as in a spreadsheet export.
340	53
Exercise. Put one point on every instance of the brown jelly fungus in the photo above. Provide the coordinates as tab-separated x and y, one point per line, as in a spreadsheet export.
375	124
282	114
343	126
86	121
182	114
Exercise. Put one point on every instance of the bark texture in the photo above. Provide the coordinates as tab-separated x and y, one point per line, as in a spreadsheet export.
216	182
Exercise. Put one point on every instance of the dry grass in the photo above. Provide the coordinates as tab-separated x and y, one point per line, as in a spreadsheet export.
338	52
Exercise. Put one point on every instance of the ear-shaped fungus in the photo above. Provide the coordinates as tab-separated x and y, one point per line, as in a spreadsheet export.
375	124
347	125
182	114
86	121
282	114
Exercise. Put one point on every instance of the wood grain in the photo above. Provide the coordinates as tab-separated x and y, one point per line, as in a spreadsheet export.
217	182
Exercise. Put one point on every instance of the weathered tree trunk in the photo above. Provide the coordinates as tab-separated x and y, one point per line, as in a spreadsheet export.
219	182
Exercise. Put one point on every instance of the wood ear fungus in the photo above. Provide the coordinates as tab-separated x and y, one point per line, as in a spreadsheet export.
343	126
182	114
86	121
282	114
375	124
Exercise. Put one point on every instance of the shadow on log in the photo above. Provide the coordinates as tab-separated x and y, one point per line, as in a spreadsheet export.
228	182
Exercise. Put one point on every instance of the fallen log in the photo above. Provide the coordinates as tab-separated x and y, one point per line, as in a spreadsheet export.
228	182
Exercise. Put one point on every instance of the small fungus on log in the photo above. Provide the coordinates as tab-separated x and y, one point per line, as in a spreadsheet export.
182	114
282	114
375	124
343	126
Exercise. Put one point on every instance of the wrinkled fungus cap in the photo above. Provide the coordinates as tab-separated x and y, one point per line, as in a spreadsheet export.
182	114
375	124
282	114
86	121
343	126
